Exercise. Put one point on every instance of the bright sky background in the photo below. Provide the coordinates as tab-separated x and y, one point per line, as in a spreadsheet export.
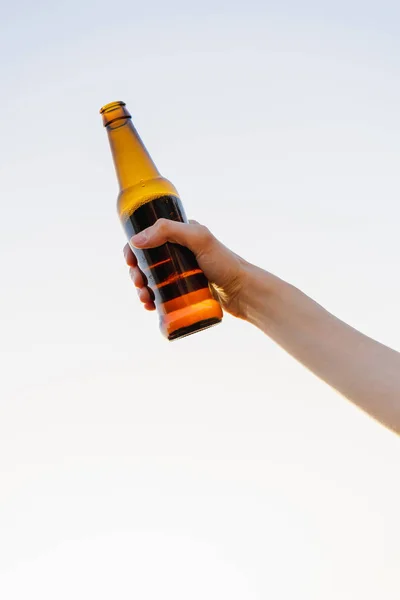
215	467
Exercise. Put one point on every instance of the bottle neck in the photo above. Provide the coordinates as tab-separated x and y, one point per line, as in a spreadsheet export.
132	162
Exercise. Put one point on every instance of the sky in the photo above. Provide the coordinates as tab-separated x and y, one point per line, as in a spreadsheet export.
215	466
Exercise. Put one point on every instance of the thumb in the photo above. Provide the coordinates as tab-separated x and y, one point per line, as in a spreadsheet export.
194	236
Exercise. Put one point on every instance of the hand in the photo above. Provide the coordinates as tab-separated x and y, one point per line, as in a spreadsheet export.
225	270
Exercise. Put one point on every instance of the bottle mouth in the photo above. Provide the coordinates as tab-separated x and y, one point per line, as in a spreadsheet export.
111	106
114	111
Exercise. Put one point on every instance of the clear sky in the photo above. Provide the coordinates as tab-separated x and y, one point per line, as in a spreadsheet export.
214	467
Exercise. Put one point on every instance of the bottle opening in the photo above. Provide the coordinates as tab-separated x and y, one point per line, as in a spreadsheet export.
114	111
111	106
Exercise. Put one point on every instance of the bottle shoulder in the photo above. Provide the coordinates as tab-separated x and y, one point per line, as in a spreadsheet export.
131	198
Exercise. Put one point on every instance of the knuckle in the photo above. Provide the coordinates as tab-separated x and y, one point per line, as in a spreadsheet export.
162	225
205	235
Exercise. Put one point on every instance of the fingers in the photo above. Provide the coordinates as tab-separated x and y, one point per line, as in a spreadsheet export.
145	294
138	277
150	306
194	236
130	258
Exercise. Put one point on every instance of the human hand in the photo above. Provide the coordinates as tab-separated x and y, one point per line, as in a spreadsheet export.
224	269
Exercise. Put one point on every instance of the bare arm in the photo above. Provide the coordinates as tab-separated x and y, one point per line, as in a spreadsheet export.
361	369
364	371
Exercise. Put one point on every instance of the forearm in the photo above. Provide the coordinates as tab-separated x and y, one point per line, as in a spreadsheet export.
363	370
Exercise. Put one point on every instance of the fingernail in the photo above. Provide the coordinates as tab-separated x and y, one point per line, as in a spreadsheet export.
139	239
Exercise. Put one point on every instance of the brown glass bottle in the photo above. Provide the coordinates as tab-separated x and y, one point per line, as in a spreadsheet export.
181	290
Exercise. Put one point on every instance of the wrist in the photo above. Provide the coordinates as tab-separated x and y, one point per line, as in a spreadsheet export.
261	297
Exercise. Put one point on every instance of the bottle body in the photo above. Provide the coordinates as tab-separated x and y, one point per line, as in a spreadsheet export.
181	291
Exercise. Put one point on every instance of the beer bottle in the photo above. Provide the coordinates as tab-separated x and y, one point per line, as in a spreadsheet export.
181	290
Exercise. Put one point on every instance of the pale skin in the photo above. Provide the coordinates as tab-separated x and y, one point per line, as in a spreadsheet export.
363	370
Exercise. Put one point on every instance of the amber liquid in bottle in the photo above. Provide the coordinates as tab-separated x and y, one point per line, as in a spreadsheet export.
181	290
